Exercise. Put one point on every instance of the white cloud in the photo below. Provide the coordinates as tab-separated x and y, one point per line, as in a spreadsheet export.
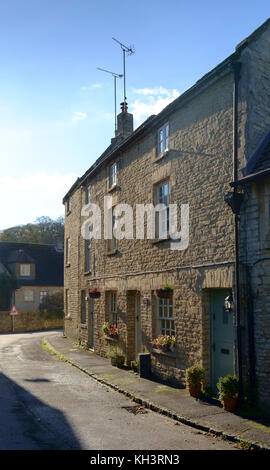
96	85
79	116
153	101
31	196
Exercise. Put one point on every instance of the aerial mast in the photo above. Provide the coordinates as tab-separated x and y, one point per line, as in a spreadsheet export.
115	76
129	50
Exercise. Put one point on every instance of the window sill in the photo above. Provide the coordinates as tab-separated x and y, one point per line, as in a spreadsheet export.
160	240
113	188
68	265
86	273
83	326
111	252
163	353
161	156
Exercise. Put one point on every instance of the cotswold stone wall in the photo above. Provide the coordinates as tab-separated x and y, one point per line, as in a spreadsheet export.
199	168
27	321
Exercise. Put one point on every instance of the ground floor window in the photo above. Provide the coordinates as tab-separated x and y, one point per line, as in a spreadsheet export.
42	296
28	295
112	308
165	316
83	307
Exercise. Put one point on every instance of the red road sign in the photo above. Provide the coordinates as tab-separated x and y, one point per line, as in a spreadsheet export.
14	312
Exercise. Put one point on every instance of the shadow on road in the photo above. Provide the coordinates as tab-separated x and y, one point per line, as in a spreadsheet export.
26	423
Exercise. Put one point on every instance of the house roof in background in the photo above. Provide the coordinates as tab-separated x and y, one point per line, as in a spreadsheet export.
49	262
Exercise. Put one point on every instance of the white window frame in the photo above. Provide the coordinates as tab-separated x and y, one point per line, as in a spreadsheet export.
163	139
29	295
113	175
163	215
165	316
25	270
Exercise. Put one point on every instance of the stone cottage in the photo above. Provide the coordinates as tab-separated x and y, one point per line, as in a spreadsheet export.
38	269
182	156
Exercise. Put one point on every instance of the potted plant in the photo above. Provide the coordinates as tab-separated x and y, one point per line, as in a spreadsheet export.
117	356
94	293
110	329
164	292
194	378
164	342
228	387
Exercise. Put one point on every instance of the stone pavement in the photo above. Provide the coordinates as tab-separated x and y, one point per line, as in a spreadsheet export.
203	414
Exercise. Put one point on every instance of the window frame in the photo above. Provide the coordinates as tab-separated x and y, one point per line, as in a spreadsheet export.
42	297
113	175
68	243
32	299
84	305
164	199
112	307
163	143
24	265
168	326
88	194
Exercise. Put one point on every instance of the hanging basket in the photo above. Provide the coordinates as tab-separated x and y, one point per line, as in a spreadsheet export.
94	293
164	293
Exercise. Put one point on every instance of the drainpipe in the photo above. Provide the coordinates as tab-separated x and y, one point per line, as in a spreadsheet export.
234	199
236	72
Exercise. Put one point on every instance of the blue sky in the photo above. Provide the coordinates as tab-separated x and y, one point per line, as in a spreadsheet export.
57	109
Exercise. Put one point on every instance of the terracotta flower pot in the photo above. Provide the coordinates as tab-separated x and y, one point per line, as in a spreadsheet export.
194	389
229	403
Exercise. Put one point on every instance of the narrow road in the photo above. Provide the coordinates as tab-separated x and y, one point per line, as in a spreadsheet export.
46	404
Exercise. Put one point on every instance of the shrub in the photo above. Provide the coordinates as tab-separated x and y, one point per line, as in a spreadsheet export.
195	374
228	386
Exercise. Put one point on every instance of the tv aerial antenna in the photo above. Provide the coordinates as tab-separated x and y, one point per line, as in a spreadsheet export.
126	50
115	76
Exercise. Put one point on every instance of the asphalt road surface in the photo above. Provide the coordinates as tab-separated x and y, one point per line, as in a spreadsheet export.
46	404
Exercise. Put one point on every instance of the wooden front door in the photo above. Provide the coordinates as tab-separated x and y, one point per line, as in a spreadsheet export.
222	337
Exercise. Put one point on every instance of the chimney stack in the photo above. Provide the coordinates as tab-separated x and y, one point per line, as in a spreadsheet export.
124	122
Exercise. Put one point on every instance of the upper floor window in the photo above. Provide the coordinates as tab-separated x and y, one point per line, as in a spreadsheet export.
163	139
87	194
112	243
68	206
163	215
67	250
113	174
25	270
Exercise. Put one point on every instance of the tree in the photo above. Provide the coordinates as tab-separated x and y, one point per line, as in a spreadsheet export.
53	305
8	283
43	230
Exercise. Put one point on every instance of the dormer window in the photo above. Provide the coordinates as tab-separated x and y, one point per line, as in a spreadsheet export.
163	139
25	270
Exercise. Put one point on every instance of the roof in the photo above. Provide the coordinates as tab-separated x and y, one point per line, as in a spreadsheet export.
258	166
49	262
120	144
